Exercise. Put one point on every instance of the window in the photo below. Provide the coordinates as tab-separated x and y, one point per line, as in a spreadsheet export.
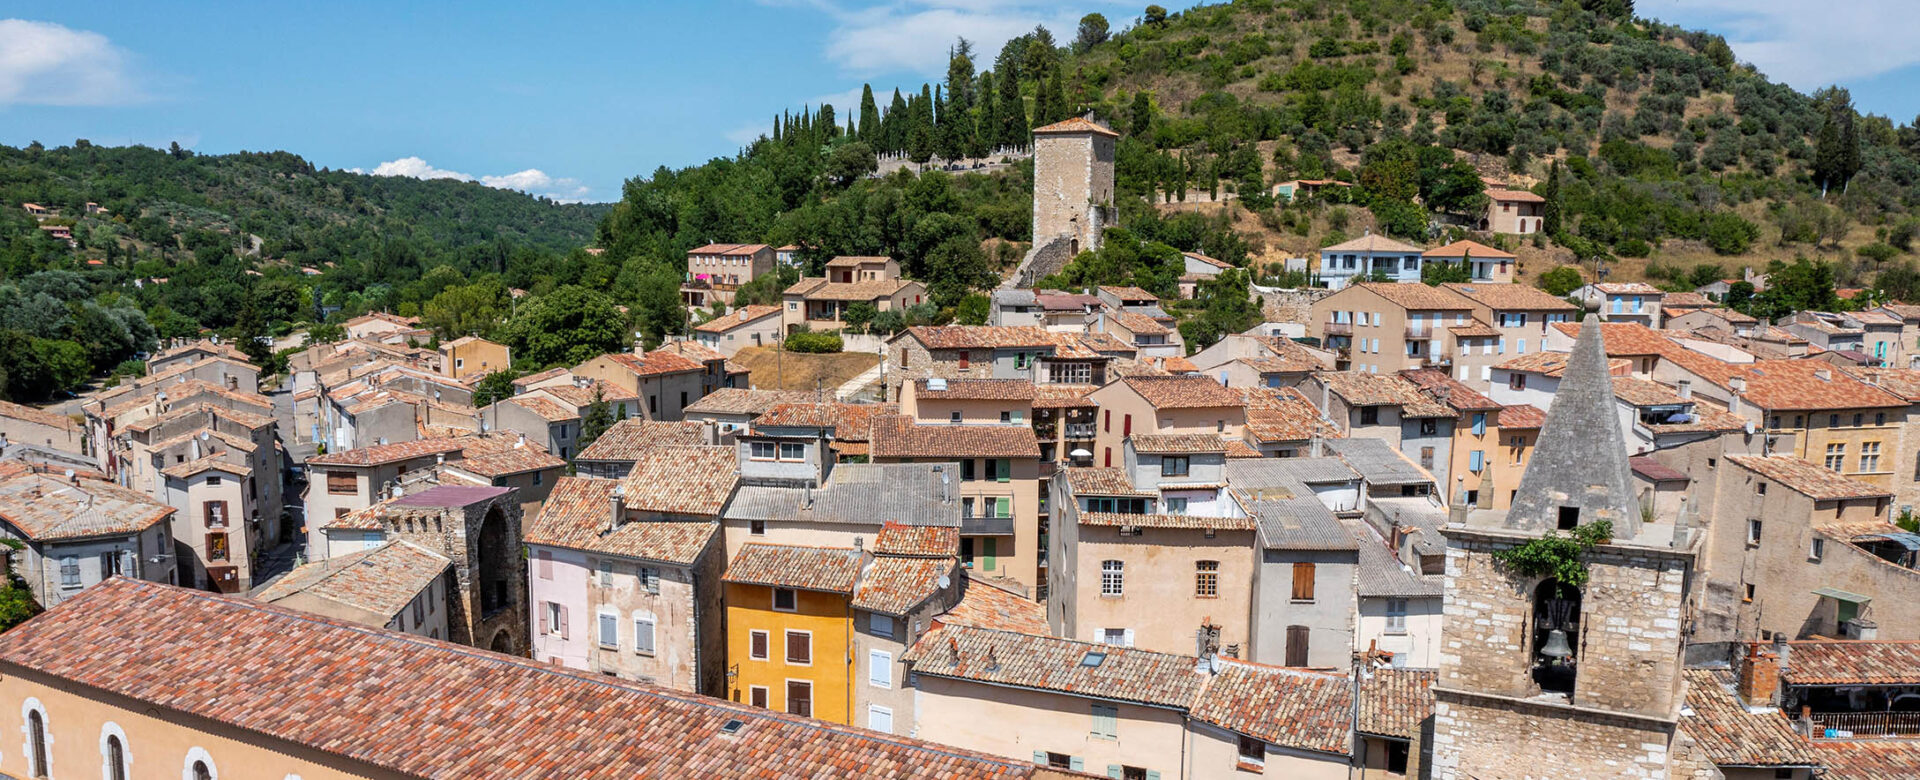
1429	427
1176	505
1819	549
1869	456
1174	466
1303	581
1054	760
1753	532
609	630
800	648
1006	416
1206	579
214	481
1880	418
953	417
70	572
966	359
762	450
1476	460
1479	423
967	473
37	733
643	634
606	574
1749	596
419	612
1253	751
116	758
800	698
1106	722
1396	616
650	580
757	646
879	668
553	619
1859	419
757	696
1369	415
1833	421
793	451
1836	456
785	599
879	719
1297	641
880	625
757	527
1112	578
1760	488
342	483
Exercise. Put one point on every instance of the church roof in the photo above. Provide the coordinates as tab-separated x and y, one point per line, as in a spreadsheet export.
1579	461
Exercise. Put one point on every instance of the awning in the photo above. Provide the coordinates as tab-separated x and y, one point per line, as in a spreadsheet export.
1909	541
1841	595
1079	453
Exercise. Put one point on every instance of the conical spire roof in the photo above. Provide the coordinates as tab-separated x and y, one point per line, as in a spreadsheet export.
1579	473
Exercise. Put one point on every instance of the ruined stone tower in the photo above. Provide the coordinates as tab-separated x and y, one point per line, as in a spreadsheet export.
1072	183
1541	680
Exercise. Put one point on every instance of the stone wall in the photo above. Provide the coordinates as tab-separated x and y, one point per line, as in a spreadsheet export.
1290	305
1043	260
1490	737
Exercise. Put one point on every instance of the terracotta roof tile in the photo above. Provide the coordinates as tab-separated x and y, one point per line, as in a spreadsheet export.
47	507
986	605
1373	243
1518	196
1868	760
828	569
382	454
897	586
577	514
1442	387
1393	702
1176	443
1292	708
214	462
1139	324
1510	297
655	363
582	397
683	480
505	462
1059	665
735	400
1102	481
1473	249
1284	414
1797	385
1183	392
728	249
897	436
1077	125
370	696
745	315
1121	520
917	541
978	390
1359	389
1414	296
551	373
632	438
1240	449
1063	397
1808	479
544	408
982	336
377	583
37	416
1730	734
1522	417
1851	662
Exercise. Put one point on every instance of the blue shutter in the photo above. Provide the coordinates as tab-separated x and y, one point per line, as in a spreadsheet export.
1040	757
1479	423
1476	460
1076	763
1116	771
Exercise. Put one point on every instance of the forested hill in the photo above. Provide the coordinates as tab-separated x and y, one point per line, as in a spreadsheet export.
1663	156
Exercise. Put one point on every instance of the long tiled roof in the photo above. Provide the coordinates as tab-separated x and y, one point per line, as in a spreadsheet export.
1797	384
374	697
1522	417
376	583
655	363
977	390
1730	734
1284	414
1377	462
829	569
1077	125
683	480
1372	243
981	336
47	507
745	315
1903	382
1851	662
1414	296
1393	702
214	462
1102	481
849	421
1807	478
1292	708
382	454
577	514
1472	249
1054	664
38	416
1176	443
509	461
897	586
1846	759
1139	324
897	436
1510	297
988	605
1063	397
545	409
1183	392
633	438
1383	575
728	249
1443	388
917	541
735	400
1366	389
1120	520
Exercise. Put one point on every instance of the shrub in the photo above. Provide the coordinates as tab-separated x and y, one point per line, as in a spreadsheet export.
806	341
1728	234
1632	247
1561	281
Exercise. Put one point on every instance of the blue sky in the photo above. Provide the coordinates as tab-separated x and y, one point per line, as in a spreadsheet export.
569	99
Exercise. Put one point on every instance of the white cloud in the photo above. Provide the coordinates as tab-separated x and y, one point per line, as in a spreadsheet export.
42	63
914	35
1809	45
532	181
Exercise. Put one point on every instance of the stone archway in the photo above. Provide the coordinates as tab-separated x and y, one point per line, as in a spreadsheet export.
502	642
496	563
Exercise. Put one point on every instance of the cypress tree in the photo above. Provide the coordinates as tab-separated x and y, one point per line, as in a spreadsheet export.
1550	211
1057	90
1012	109
942	125
895	122
869	115
826	126
957	123
987	128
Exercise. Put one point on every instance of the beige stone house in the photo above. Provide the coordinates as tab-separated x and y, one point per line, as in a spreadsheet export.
1148	336
995	352
469	356
40	428
1486	264
1380	328
398	586
820	304
1518	317
1241	360
667	380
1630	302
1155	404
1515	212
77	532
998	486
748	326
716	271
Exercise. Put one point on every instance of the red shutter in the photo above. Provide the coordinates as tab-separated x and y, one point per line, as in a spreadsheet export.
1109	459
1126	424
965	358
1106	424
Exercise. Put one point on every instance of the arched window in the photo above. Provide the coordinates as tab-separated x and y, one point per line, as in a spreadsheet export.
1556	636
37	737
201	771
1113	578
116	758
199	766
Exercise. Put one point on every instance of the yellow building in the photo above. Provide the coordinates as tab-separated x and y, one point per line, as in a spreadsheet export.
470	355
790	628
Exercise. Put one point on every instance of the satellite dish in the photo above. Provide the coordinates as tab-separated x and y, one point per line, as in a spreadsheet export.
204	435
945	581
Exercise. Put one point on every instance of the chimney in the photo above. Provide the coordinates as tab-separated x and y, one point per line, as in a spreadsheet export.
1782	652
617	503
1759	676
1686	389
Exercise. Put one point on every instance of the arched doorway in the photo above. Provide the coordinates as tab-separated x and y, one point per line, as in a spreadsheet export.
496	563
502	642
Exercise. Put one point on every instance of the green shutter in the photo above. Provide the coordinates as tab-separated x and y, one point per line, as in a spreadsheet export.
1153	774
992	553
1040	757
1005	466
1116	771
1076	763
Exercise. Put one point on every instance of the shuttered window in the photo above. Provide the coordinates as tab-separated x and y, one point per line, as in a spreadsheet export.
609	630
643	634
342	483
799	647
880	669
1303	582
1296	645
757	646
1106	721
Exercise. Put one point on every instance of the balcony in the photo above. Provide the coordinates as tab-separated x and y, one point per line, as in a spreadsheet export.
1337	328
986	526
1084	430
1419	332
1436	361
1867	724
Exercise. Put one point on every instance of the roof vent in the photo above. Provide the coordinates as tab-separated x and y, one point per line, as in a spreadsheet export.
937	384
1093	658
732	727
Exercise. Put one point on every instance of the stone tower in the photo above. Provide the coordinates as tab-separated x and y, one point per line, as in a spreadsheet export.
1072	183
1541	680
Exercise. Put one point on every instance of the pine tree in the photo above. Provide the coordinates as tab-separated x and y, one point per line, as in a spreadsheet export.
1012	109
869	115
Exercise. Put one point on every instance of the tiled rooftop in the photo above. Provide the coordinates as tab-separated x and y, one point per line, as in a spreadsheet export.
1373	243
1183	392
829	569
1510	297
1415	296
1292	708
898	436
1393	702
981	336
382	454
897	586
370	697
1470	249
1102	481
744	315
917	541
633	438
48	507
1055	664
1522	417
1810	385
1897	759
987	605
683	480
734	400
977	390
1442	387
1851	662
370	586
1730	734
510	461
1366	389
1176	443
1197	522
1807	478
579	511
1139	324
655	363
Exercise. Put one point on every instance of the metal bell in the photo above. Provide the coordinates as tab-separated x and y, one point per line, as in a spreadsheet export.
1557	647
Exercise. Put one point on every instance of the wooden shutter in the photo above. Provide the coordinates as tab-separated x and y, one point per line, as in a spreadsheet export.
566	625
799	647
1296	646
757	645
544	626
1303	582
342	483
1126	424
800	698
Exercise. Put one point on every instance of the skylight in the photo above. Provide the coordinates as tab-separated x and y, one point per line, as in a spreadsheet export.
1093	658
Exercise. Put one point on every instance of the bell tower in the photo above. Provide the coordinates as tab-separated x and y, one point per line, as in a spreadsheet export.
1594	669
